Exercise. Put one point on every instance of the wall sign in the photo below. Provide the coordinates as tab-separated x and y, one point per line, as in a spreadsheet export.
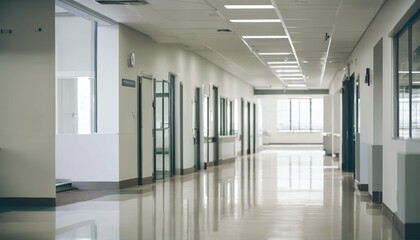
128	83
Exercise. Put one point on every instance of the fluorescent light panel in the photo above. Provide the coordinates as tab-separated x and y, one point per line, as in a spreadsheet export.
249	6
274	53
402	72
287	71
255	20
292	78
265	37
290	75
285	66
282	62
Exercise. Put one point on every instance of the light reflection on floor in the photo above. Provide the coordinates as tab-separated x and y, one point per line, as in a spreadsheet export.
280	193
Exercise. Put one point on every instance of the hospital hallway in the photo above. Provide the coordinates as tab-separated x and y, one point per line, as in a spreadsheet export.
282	192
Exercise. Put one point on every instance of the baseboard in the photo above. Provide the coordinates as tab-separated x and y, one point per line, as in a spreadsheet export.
210	164
188	170
227	160
105	185
20	201
376	197
361	186
147	180
406	230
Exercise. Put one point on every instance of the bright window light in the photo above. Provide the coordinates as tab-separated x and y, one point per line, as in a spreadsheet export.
282	63
274	53
288	71
285	66
255	20
265	37
249	6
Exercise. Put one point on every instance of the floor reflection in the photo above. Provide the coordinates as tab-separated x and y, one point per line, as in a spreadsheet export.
279	193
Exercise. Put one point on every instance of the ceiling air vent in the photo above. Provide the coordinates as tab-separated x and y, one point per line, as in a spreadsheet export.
122	2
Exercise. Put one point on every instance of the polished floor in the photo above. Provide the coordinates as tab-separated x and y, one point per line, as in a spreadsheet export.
287	192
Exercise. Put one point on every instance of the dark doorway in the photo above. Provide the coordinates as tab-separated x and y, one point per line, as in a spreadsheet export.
197	129
254	129
248	110
216	124
144	122
242	127
347	132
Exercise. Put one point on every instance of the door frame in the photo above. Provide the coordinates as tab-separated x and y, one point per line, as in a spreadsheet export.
248	127
216	122
197	128
139	131
181	127
172	136
242	127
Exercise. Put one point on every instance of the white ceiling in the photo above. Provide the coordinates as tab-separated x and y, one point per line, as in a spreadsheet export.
194	24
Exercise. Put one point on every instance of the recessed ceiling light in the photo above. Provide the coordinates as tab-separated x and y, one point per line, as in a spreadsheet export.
255	20
284	66
282	62
288	71
264	37
249	6
274	53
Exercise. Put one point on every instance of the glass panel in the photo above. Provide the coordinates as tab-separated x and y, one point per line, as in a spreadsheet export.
159	131
166	129
304	114
294	114
75	57
317	114
416	80
283	115
403	84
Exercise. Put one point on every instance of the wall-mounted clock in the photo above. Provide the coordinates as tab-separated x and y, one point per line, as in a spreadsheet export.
131	59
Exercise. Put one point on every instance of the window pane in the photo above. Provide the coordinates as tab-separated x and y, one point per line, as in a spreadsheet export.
304	114
295	114
403	84
75	57
416	80
317	114
283	115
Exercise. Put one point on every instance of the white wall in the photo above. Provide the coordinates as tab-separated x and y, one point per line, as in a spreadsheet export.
362	58
159	60
27	99
87	158
269	125
107	79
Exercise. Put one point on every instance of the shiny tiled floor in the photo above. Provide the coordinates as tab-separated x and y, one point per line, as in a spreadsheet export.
280	193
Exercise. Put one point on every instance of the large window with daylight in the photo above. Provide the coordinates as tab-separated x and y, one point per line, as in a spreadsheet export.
300	114
408	79
76	73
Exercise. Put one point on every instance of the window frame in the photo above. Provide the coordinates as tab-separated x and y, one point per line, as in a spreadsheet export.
290	110
408	26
